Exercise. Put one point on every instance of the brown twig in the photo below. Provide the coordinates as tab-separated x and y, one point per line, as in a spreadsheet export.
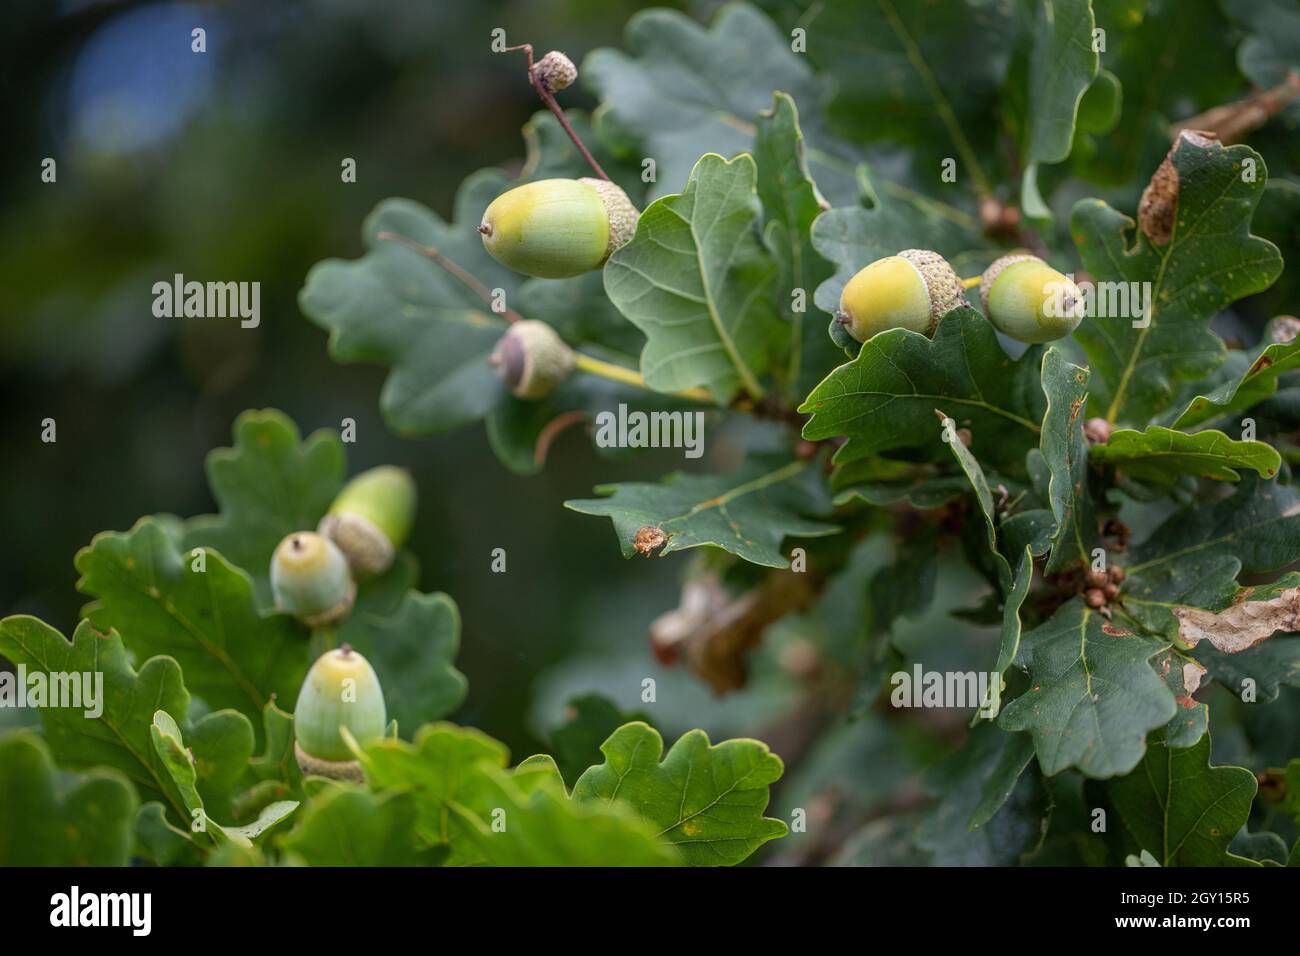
429	252
548	98
551	431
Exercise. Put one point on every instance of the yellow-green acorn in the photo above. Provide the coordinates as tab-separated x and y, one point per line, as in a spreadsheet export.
556	228
310	579
341	690
532	359
1030	301
912	290
371	517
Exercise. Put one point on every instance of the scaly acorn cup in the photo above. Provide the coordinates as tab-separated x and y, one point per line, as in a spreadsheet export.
1030	301
556	228
341	690
310	579
912	290
555	71
531	359
371	517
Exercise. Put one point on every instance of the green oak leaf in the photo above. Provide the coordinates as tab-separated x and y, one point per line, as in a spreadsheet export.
1062	65
1065	453
120	737
1195	556
180	763
412	648
589	720
884	481
1257	383
1093	696
682	90
579	310
48	821
1160	455
1183	677
543	827
345	826
1180	808
395	307
233	655
886	397
270	484
986	812
1209	260
706	800
441	769
697	281
905	75
1015	574
791	203
748	514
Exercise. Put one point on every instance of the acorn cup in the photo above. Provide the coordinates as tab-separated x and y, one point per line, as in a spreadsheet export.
341	690
557	228
371	518
912	290
310	579
1030	301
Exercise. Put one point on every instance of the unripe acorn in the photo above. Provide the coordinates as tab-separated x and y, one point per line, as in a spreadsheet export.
912	290
532	359
371	517
341	690
556	228
310	579
1030	301
555	71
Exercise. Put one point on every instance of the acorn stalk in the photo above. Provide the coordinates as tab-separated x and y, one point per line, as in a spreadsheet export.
340	691
310	579
371	518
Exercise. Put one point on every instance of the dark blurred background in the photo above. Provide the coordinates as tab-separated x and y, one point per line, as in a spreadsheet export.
225	165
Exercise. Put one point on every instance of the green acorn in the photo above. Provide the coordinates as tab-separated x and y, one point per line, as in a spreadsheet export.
531	359
556	228
1030	301
371	517
341	690
310	579
912	290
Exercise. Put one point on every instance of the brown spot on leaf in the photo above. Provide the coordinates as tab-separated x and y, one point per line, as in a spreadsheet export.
1240	625
1158	208
649	539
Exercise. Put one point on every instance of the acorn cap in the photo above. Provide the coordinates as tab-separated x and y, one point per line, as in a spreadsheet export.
532	359
347	770
310	579
371	518
941	281
340	690
555	71
622	214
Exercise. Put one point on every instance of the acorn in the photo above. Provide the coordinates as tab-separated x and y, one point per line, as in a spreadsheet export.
371	517
912	290
556	228
310	579
341	690
555	71
1030	301
532	359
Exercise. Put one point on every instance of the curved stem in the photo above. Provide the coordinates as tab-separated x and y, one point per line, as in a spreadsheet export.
627	376
429	252
548	98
